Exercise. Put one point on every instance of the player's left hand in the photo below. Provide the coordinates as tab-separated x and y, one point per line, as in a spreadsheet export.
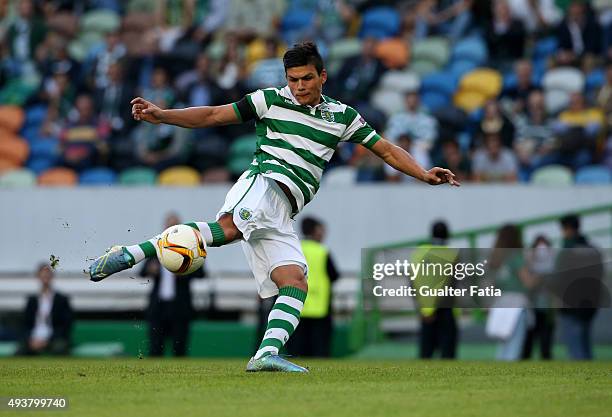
437	176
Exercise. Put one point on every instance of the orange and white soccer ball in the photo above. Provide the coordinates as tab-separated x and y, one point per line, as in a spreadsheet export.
181	249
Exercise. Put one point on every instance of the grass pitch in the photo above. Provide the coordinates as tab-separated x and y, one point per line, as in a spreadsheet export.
337	388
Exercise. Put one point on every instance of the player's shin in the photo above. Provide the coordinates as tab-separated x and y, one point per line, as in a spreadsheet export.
282	321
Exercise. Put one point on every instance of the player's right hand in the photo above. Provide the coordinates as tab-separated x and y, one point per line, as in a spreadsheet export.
143	110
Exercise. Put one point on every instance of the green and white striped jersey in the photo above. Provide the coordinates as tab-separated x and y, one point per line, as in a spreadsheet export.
295	142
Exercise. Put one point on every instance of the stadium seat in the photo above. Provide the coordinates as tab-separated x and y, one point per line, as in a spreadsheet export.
241	153
565	78
294	22
15	149
379	23
544	48
98	176
7	135
179	176
485	81
58	177
44	148
459	68
434	50
594	174
439	82
433	100
35	115
469	101
8	165
595	79
12	118
403	81
556	100
471	49
344	175
138	176
341	50
552	175
387	101
394	53
18	178
41	164
423	67
100	20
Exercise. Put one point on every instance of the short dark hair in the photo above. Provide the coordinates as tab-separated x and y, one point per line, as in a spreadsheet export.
439	230
570	221
305	53
309	224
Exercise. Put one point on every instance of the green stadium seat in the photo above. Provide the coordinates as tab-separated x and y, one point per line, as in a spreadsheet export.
19	178
423	67
101	21
341	50
8	349
241	154
555	175
138	176
434	49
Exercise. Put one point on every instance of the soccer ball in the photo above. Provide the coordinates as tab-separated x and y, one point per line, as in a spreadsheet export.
181	249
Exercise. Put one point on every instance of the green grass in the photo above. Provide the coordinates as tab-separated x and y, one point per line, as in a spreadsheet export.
337	388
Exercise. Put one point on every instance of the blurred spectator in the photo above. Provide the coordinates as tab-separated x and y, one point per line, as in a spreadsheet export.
83	139
579	256
111	53
540	262
170	308
25	33
418	152
505	37
313	337
535	139
494	121
494	162
196	87
159	91
450	18
358	75
604	98
523	70
252	18
579	35
59	93
114	101
47	319
414	122
211	20
268	71
538	16
513	278
439	330
7	17
453	159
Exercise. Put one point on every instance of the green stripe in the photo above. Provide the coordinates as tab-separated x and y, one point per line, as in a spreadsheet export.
238	115
302	173
295	128
294	178
287	309
148	249
217	233
293	292
277	343
192	224
305	154
270	95
280	324
372	141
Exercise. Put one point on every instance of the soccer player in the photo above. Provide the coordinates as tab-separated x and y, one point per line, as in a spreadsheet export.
298	130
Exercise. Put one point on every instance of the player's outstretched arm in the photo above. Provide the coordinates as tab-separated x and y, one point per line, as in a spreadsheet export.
401	160
190	117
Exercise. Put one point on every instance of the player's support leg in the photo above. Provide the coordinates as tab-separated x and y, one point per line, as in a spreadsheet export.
119	258
282	320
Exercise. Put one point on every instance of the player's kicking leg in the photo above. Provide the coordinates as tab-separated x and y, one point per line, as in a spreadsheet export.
282	321
119	258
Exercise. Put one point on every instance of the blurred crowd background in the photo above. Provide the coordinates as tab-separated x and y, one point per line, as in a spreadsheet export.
498	91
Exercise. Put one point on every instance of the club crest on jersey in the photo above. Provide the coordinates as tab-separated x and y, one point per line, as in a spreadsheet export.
245	213
327	114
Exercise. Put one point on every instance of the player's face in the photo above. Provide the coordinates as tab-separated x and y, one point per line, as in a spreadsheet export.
306	84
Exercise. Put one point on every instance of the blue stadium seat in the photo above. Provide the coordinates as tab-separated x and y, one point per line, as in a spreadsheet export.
295	22
471	49
41	164
595	79
35	115
594	174
44	148
461	67
380	23
434	100
439	82
544	48
98	176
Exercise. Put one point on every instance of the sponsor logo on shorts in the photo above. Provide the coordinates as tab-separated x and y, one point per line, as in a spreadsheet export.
245	213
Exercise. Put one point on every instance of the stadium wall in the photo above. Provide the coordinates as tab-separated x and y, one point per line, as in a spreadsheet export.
78	224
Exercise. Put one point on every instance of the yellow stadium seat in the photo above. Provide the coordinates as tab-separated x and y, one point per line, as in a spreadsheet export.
469	101
485	81
179	176
16	150
57	177
12	118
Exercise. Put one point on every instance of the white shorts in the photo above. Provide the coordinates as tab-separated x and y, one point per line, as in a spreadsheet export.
262	212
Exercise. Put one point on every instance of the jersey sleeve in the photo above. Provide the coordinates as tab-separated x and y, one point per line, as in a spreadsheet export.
254	105
358	130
